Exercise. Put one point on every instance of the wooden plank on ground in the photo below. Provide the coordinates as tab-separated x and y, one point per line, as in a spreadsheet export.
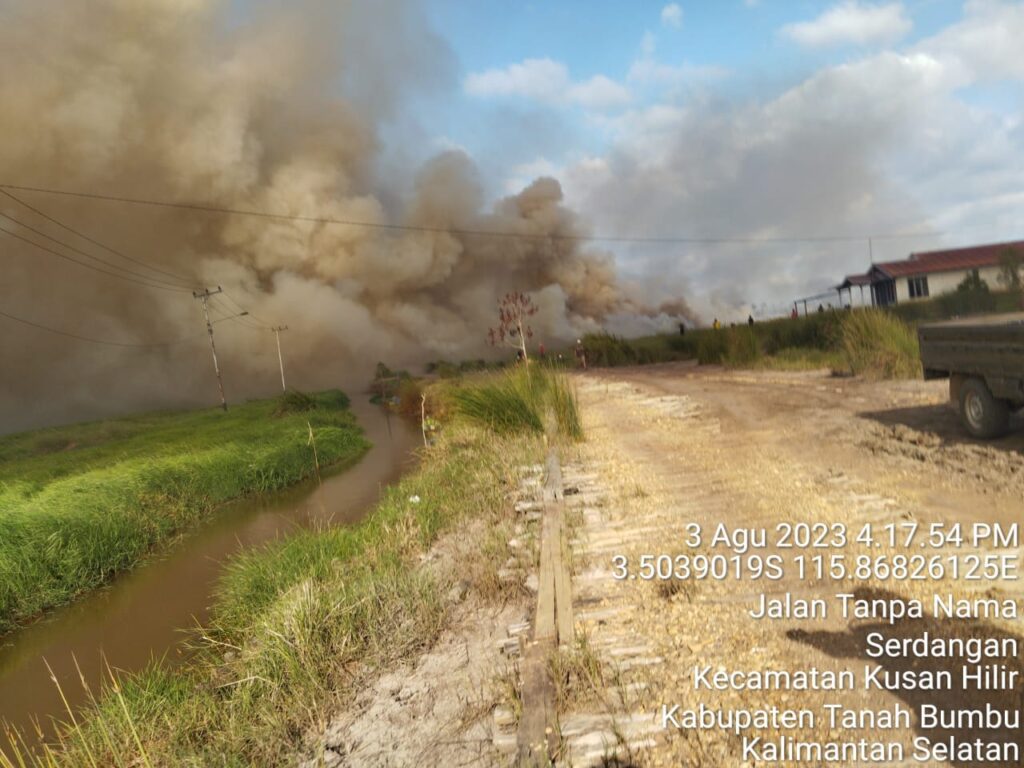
537	738
535	741
563	589
553	482
544	625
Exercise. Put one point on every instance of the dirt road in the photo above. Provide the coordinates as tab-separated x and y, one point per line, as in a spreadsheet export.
672	445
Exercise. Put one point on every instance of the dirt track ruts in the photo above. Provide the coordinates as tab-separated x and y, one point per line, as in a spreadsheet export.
672	444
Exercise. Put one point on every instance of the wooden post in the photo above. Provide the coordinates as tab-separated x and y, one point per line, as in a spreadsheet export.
280	360
204	297
423	417
316	461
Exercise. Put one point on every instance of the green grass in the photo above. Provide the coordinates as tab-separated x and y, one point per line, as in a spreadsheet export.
877	344
299	626
869	342
520	399
79	504
801	359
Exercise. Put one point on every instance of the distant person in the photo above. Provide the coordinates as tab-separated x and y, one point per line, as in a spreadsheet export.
794	314
581	354
821	308
540	351
750	319
682	329
716	325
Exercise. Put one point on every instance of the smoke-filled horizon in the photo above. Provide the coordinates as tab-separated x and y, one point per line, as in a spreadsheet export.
178	101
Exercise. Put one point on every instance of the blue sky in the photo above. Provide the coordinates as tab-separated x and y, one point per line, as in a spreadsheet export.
746	118
741	43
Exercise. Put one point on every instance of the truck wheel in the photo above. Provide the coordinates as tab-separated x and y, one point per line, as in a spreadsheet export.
983	415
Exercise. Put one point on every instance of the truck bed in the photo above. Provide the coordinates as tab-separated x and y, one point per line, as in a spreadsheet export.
991	347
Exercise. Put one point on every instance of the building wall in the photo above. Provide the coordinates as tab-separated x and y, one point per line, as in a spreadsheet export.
945	282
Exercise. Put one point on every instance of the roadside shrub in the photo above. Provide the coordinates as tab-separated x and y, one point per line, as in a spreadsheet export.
332	399
878	345
294	401
712	347
520	400
819	330
504	405
957	304
606	350
566	409
409	396
741	347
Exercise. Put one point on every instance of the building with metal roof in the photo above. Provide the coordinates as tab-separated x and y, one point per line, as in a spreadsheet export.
929	273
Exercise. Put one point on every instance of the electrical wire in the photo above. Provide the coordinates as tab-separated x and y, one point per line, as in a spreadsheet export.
239	308
260	322
86	237
108	342
674	240
240	317
155	282
88	266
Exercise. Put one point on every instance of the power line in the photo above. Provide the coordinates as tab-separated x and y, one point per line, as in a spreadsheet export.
83	264
678	240
241	316
108	342
240	308
153	282
85	237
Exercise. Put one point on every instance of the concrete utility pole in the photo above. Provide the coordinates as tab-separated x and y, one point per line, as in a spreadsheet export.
280	360
204	297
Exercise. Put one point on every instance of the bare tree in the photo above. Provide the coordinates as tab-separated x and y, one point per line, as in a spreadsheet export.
514	312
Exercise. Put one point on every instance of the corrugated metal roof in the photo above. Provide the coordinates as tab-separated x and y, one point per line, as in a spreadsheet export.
956	259
849	280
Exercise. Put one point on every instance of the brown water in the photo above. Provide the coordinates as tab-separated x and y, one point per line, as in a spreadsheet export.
142	614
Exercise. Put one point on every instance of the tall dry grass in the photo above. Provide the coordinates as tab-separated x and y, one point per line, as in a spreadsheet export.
876	344
530	399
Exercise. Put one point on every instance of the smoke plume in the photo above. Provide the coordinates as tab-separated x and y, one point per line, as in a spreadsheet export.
179	100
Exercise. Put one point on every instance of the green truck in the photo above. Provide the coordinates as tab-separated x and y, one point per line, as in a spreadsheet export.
984	362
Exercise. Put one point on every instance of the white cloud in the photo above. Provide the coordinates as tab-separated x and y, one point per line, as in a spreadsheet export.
542	79
649	71
986	44
599	92
672	15
852	22
883	144
548	81
647	44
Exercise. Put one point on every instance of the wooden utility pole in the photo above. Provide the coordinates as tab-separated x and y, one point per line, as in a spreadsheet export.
204	297
280	361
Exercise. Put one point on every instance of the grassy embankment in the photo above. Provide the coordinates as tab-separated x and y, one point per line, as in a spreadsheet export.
870	342
80	503
301	625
